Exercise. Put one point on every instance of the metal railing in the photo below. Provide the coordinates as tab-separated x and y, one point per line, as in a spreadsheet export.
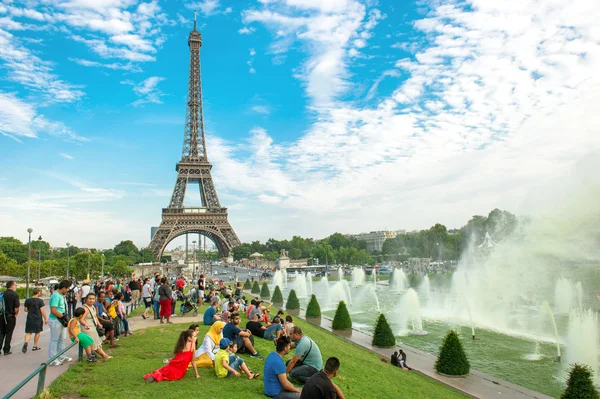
131	307
41	371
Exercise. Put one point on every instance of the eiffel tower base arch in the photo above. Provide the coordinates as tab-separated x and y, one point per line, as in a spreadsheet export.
215	227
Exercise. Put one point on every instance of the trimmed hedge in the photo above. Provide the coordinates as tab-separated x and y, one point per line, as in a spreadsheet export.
452	359
341	320
383	336
313	309
580	384
255	288
292	302
247	285
277	296
264	291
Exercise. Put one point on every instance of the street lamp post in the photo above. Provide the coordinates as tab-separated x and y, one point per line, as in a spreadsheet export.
39	256
102	253
68	258
29	230
89	256
194	251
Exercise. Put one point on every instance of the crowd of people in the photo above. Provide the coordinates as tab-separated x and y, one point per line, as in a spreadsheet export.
94	316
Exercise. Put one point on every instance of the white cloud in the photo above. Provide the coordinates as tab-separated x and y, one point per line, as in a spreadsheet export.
20	119
499	100
65	155
116	66
246	30
208	7
32	72
147	90
261	109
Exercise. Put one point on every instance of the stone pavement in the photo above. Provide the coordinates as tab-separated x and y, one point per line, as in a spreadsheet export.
14	368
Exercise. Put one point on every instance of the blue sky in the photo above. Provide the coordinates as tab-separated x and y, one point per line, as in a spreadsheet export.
321	115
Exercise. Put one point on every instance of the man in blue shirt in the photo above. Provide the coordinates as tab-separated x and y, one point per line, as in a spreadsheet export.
58	332
307	358
210	315
275	379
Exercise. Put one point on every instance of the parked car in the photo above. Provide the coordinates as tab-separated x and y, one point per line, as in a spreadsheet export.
266	275
384	271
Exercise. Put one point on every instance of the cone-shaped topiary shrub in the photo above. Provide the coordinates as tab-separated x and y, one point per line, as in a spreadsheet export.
580	384
247	285
264	291
277	296
292	302
313	309
452	359
255	288
383	336
341	320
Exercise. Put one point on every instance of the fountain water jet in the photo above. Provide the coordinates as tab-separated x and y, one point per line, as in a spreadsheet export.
579	290
309	283
277	280
358	276
300	285
425	287
582	341
340	272
563	296
410	314
399	280
548	310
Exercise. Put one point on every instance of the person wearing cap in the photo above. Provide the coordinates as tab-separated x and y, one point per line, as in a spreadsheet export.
227	364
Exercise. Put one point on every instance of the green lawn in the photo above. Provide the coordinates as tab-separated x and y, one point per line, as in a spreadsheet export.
362	373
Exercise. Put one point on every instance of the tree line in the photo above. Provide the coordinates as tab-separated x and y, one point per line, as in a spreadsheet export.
54	261
436	242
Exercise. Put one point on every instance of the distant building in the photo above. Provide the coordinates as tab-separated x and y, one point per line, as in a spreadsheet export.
375	239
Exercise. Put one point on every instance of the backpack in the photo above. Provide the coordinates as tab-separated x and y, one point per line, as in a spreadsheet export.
2	305
71	296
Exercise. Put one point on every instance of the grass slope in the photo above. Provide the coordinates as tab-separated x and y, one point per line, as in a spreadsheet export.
362	374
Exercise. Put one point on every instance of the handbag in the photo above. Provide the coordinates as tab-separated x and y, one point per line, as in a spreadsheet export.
101	331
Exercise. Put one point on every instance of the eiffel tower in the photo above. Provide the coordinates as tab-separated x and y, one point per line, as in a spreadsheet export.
210	219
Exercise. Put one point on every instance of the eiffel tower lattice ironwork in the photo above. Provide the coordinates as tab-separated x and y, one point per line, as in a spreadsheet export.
210	219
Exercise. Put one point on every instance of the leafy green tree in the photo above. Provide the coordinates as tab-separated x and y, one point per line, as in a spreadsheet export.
295	253
79	265
10	267
255	288
146	255
580	384
292	302
264	291
383	337
277	297
13	249
452	359
341	320
120	269
313	309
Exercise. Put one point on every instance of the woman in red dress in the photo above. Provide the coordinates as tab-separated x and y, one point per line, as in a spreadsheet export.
184	354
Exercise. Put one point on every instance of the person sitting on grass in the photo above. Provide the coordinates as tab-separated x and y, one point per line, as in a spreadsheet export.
402	361
276	384
243	339
210	314
77	336
184	355
205	355
227	364
320	386
269	333
394	359
288	325
307	358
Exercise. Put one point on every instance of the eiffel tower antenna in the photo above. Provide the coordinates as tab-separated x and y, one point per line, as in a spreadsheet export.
209	219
